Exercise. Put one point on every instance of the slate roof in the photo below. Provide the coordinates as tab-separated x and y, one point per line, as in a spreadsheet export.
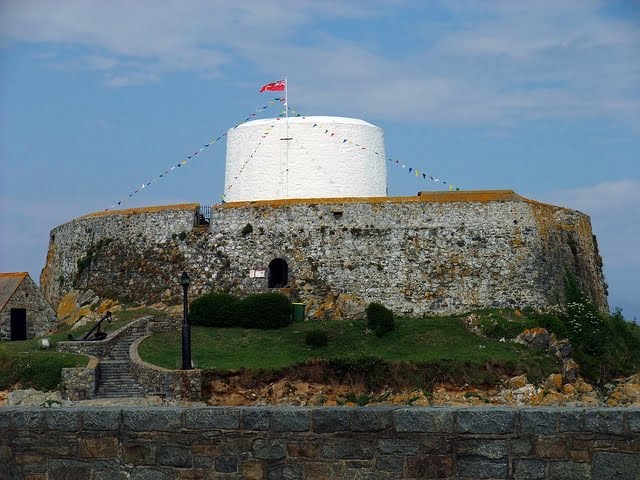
9	282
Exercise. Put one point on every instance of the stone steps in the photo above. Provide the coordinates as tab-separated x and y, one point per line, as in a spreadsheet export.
115	380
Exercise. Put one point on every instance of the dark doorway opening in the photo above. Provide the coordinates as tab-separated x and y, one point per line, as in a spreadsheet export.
18	324
278	273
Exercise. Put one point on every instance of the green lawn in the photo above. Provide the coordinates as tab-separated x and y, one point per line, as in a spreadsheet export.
25	364
417	341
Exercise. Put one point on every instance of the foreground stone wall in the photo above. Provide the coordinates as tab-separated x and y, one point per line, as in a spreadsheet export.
435	253
318	444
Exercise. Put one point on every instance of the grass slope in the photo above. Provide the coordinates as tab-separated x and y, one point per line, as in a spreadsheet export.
24	364
415	341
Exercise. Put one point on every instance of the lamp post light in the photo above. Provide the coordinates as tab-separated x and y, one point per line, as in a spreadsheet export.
186	327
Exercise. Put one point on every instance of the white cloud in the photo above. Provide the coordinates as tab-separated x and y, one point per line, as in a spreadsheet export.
622	196
487	63
614	208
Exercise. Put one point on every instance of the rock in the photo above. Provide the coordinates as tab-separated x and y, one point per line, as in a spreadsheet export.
590	399
518	382
554	382
472	323
569	390
570	370
550	399
560	348
351	307
88	297
582	386
625	392
525	395
535	337
91	317
33	398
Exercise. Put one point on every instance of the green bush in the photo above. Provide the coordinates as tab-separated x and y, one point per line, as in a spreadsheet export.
551	323
316	338
215	310
604	345
380	319
265	310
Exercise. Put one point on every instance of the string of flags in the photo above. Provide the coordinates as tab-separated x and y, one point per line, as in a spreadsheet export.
418	173
333	134
184	161
255	150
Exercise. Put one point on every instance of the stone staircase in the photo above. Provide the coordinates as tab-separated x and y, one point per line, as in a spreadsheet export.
114	371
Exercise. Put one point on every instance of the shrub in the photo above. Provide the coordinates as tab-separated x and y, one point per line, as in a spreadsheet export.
316	338
551	323
604	345
265	310
380	319
215	310
369	370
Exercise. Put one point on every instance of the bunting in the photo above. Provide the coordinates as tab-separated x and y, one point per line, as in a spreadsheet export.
332	134
184	161
242	167
418	173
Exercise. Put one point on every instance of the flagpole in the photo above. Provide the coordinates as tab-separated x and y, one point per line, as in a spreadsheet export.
286	113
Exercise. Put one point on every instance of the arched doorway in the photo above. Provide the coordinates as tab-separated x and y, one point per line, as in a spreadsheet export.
278	273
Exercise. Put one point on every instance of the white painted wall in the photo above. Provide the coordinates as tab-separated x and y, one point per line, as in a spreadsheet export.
313	164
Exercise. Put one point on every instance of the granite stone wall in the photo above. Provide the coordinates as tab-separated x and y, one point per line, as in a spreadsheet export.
102	348
80	383
435	253
85	252
319	443
174	384
41	318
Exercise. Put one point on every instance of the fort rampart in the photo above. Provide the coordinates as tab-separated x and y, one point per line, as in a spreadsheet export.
446	252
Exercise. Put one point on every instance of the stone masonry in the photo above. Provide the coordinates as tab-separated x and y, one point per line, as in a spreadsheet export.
41	318
446	252
319	443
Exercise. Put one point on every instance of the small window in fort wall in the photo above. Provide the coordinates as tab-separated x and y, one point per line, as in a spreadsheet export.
278	273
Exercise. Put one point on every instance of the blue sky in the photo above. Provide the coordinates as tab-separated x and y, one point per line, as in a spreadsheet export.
541	97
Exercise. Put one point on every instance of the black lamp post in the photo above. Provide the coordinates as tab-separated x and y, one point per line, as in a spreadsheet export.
186	327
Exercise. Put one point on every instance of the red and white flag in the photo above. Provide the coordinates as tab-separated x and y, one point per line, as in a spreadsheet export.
274	87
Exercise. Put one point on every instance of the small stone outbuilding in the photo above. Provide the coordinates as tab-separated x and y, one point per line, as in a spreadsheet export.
24	312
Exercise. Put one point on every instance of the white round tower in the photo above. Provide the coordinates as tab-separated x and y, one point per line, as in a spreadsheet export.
306	157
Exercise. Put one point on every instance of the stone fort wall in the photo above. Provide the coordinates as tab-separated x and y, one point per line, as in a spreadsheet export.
260	443
442	253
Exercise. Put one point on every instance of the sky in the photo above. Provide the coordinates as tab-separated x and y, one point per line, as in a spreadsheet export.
98	98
